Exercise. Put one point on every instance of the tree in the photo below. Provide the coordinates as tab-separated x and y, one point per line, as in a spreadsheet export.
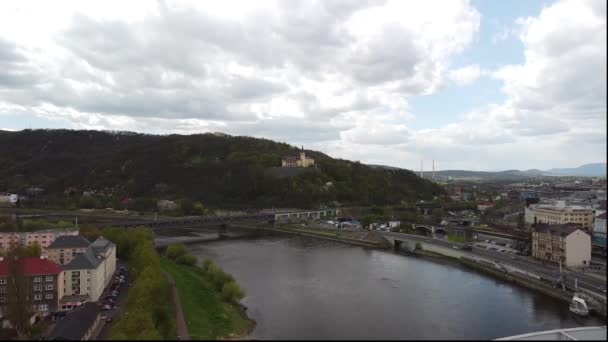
34	250
521	223
232	292
187	259
19	302
176	250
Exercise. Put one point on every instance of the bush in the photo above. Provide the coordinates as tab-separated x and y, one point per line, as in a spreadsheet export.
186	259
176	250
206	264
232	292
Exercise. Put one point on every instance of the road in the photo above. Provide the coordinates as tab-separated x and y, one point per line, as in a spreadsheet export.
547	271
182	328
121	302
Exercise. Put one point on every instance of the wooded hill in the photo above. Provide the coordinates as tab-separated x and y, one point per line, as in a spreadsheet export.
217	169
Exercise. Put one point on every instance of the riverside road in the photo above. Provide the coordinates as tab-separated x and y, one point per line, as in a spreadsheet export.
547	271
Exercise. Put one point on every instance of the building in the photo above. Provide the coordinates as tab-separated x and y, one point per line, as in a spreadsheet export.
44	238
88	273
77	325
302	161
43	277
599	227
482	206
560	213
166	205
65	248
565	243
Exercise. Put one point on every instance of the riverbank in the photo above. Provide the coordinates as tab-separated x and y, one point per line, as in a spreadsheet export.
521	280
334	236
207	315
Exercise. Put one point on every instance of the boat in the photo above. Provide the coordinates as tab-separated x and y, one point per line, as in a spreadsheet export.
578	306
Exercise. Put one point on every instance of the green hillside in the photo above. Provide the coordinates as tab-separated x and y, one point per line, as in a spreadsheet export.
216	169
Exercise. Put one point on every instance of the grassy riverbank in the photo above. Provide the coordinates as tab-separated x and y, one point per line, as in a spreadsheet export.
207	315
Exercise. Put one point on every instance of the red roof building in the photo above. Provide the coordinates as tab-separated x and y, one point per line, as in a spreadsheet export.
33	266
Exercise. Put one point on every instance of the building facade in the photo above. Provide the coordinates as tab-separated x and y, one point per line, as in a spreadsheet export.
44	238
43	278
567	244
65	248
88	273
599	227
301	161
560	213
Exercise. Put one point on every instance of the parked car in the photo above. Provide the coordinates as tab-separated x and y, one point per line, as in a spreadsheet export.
109	320
107	307
467	248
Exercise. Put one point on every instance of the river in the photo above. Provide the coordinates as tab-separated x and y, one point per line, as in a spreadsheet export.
308	288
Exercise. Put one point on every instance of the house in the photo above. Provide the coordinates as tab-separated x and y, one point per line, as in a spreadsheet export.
166	205
301	161
77	325
65	248
43	277
88	273
567	244
482	206
599	227
560	213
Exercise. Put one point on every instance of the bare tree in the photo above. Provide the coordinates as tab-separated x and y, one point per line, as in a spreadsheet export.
19	301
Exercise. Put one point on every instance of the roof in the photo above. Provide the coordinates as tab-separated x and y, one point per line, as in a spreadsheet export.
86	260
558	229
76	323
33	266
101	245
70	241
290	158
601	216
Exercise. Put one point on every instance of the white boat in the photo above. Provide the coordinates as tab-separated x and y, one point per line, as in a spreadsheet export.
578	306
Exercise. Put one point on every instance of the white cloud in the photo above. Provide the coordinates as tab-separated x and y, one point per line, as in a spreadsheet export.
466	75
332	74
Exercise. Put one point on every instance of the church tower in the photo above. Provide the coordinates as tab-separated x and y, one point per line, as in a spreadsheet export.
303	157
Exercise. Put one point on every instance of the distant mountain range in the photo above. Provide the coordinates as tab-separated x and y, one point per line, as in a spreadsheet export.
587	170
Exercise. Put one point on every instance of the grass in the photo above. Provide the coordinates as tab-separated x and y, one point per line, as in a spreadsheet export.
207	316
457	239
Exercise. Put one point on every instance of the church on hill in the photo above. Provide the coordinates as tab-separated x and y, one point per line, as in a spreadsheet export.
302	161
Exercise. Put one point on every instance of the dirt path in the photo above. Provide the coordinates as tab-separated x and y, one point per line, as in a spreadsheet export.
182	328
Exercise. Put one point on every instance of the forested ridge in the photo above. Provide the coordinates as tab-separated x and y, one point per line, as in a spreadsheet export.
217	169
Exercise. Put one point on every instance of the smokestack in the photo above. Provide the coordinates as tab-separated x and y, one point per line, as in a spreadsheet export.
421	175
433	168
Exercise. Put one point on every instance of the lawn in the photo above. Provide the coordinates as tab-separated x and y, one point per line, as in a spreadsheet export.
207	316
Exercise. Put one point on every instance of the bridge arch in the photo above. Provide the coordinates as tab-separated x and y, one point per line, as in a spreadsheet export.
423	229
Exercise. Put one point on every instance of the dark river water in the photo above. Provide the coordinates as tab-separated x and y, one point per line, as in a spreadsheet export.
306	288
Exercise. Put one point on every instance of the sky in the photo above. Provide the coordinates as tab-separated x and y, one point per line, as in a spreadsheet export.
476	85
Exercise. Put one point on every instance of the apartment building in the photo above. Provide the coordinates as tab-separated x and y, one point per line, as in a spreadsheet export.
44	279
567	244
44	238
65	248
89	272
560	213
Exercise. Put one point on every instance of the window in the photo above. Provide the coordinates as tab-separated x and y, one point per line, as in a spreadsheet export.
49	278
49	287
37	287
2	299
2	280
49	296
88	288
37	279
43	307
37	296
88	271
2	289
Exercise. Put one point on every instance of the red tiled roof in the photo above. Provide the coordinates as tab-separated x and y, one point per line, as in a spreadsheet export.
33	266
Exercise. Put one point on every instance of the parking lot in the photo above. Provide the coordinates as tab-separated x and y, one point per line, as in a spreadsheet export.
494	247
112	301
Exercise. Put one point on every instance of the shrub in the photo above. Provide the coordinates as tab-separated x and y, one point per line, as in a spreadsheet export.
176	250
232	292
186	259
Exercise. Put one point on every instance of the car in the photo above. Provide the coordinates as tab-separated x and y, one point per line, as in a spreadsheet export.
109	320
455	247
467	248
487	241
513	258
493	242
107	307
502	250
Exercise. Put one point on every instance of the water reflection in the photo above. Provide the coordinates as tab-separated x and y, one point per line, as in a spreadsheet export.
306	288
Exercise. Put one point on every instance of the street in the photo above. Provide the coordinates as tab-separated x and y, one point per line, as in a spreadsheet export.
121	300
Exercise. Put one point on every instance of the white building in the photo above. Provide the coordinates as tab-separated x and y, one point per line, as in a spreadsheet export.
560	213
89	273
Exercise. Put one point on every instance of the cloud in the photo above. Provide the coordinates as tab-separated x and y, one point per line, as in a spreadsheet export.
333	74
465	75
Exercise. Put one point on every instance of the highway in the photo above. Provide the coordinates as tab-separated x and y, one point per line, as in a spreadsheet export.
546	271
